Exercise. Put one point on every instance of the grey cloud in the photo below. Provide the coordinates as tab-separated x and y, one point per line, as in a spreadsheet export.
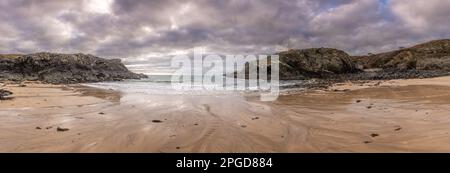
139	28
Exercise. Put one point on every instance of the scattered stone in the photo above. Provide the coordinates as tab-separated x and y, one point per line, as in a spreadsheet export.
22	85
49	127
373	135
157	121
255	118
4	94
196	124
177	148
61	129
367	142
243	126
398	129
358	101
101	113
39	128
343	90
369	107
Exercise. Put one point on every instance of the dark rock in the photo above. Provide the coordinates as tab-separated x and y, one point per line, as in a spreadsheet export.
61	129
310	63
314	63
433	55
157	121
373	135
369	107
101	113
358	101
63	68
38	128
318	68
431	59
4	94
255	118
341	90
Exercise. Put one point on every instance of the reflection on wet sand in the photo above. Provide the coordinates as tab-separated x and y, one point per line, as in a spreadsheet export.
109	95
386	118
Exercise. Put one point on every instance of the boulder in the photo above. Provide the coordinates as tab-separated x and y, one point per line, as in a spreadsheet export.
4	94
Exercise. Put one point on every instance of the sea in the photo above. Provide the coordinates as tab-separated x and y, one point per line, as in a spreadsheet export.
164	85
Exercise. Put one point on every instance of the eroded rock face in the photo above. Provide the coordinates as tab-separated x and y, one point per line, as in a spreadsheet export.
314	63
434	55
63	68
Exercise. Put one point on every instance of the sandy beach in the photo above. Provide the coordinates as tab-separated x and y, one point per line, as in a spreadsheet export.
388	116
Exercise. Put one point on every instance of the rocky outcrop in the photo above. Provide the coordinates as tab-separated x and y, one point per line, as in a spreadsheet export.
425	60
300	64
329	65
63	68
314	63
433	55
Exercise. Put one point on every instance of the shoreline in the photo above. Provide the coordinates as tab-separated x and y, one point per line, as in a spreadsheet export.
375	116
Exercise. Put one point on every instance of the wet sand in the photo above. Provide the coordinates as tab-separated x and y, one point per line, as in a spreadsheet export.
391	116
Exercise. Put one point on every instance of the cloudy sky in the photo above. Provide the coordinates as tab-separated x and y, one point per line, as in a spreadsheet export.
160	28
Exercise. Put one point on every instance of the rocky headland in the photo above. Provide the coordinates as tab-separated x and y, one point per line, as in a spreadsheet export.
328	65
57	68
430	59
